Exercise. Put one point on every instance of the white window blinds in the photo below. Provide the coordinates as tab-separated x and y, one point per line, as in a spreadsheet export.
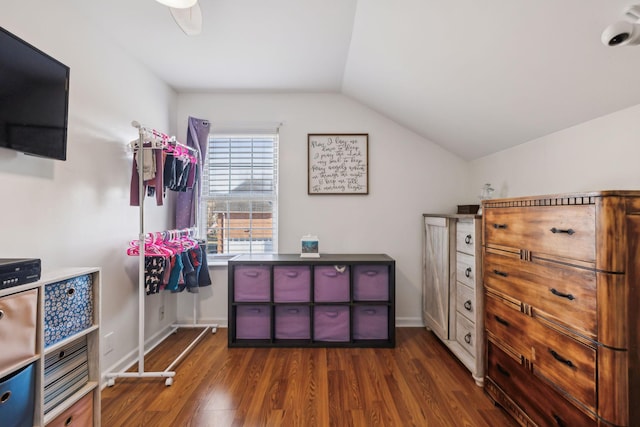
240	197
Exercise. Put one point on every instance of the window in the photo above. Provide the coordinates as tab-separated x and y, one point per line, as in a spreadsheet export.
239	194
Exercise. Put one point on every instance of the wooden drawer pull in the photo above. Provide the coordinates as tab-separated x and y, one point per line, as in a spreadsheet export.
569	231
467	272
502	370
561	359
68	421
467	239
501	320
500	273
1	314
467	304
558	421
467	338
499	226
560	294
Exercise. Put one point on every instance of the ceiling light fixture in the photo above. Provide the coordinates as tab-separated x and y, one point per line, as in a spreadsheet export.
624	33
178	4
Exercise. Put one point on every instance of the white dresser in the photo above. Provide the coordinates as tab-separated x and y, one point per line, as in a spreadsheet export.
452	304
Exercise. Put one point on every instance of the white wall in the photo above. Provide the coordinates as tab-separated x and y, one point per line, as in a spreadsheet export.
408	176
602	154
77	213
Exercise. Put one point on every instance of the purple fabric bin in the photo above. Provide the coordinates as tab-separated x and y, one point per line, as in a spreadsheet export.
291	283
253	322
371	322
292	322
251	283
371	283
331	323
331	283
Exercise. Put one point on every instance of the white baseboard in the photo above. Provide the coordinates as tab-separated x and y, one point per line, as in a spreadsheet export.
222	322
409	322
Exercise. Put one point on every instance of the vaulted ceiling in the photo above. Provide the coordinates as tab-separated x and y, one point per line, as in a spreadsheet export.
475	77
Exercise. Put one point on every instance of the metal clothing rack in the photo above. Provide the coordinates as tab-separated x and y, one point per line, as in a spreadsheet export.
150	139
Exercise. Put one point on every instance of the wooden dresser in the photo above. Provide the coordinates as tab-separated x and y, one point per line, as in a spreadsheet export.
562	307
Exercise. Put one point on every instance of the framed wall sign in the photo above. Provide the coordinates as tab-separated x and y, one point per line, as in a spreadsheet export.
338	163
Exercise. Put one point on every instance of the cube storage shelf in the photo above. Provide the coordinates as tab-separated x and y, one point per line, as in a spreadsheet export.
50	363
339	300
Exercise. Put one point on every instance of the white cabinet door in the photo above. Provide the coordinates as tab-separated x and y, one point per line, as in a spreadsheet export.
436	275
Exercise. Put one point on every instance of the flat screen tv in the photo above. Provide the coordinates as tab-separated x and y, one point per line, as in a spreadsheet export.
34	99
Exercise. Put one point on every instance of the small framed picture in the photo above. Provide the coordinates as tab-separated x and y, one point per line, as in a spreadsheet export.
309	247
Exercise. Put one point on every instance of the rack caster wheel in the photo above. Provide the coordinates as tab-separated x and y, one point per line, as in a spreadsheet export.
111	382
214	330
168	381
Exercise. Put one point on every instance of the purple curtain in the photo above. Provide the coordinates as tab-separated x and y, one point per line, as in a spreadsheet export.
197	136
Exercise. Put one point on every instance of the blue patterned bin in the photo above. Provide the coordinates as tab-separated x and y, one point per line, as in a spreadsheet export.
68	308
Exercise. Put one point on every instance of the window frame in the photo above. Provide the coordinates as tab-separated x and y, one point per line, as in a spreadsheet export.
221	259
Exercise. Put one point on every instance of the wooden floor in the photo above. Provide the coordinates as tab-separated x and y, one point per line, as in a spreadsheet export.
418	383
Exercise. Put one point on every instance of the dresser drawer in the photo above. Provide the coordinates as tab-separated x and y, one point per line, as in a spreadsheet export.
68	308
563	231
568	364
80	414
466	302
563	293
563	361
466	269
466	334
466	237
544	405
505	322
18	317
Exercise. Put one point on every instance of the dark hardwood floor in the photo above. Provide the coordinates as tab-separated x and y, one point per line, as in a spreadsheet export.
418	383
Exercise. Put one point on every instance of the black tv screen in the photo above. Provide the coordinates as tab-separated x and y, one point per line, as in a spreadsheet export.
34	99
